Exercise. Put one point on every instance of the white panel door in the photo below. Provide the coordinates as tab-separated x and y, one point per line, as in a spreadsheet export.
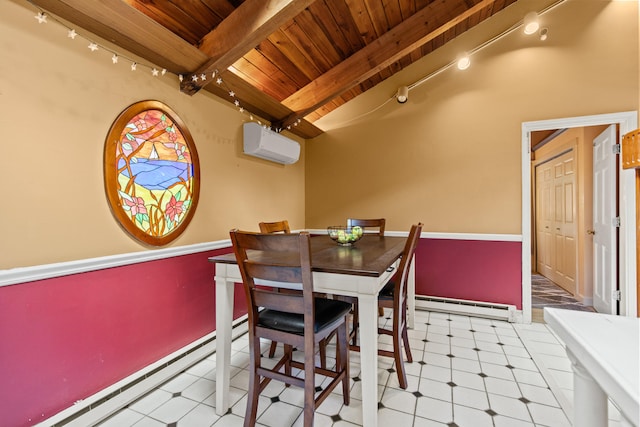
565	222
604	212
544	223
555	220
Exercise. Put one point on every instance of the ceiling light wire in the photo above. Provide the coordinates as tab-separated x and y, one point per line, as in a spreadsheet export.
483	45
440	70
366	113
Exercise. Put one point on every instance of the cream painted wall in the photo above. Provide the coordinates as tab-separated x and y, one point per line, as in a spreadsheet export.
450	157
57	102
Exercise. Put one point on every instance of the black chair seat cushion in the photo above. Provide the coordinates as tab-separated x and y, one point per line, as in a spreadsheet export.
327	311
387	292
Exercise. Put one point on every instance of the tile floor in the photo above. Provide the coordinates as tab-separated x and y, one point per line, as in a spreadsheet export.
467	372
545	293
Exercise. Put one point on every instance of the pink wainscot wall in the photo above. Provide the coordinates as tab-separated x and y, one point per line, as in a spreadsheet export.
478	270
66	338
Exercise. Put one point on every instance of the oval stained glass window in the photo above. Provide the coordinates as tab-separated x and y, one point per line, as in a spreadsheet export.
151	172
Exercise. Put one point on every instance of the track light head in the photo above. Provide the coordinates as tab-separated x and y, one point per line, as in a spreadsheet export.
463	61
531	24
403	94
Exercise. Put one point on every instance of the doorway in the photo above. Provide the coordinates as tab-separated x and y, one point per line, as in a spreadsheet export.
627	121
562	255
545	293
556	215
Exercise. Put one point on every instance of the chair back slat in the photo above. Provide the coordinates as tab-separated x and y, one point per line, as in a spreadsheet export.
278	259
378	223
275	273
276	243
275	227
288	302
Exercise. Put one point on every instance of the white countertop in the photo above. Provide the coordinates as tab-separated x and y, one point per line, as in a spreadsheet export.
608	347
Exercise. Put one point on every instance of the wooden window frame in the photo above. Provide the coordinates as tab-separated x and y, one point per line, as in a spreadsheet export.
114	141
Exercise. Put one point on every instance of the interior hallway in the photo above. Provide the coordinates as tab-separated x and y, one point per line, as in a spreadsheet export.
545	293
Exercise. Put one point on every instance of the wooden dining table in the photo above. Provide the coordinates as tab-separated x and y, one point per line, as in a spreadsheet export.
360	271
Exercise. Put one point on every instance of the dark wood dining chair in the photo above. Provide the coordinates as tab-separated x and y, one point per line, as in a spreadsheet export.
275	227
394	296
283	227
299	320
367	224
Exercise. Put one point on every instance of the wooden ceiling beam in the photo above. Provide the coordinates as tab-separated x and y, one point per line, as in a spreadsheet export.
245	28
401	40
128	28
139	27
259	104
125	26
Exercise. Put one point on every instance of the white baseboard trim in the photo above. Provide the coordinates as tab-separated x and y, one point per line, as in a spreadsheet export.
518	316
473	236
106	402
467	307
585	300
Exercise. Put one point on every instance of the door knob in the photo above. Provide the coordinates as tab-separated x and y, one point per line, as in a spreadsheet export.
592	232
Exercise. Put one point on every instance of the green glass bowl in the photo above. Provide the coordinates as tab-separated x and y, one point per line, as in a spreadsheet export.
345	236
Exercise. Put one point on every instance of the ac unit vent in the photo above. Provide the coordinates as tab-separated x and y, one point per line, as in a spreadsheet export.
269	145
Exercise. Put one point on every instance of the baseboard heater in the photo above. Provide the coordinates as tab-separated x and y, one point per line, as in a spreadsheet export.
467	307
105	403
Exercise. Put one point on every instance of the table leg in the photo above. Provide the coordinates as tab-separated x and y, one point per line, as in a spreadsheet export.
589	400
411	295
368	318
224	318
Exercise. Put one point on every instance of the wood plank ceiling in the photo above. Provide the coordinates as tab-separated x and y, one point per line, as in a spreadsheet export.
289	62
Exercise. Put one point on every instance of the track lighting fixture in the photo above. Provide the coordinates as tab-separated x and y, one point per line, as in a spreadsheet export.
531	24
544	33
463	62
403	94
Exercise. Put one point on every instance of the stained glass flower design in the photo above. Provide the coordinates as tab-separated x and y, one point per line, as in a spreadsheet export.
153	167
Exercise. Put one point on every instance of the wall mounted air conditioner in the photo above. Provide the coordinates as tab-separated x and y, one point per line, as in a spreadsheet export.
267	144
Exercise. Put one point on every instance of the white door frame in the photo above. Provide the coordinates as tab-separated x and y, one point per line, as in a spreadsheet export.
628	121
